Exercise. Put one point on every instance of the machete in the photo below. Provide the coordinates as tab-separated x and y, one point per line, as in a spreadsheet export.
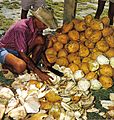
55	71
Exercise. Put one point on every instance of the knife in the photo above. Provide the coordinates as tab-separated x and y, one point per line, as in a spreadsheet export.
60	74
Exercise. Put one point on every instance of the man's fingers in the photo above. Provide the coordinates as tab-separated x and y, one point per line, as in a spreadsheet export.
51	77
48	82
47	79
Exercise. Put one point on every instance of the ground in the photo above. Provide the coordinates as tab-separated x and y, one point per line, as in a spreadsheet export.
10	11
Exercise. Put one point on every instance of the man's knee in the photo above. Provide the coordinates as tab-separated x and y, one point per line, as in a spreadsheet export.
40	40
20	66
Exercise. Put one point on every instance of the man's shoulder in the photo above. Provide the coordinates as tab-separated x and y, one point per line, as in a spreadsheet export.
22	24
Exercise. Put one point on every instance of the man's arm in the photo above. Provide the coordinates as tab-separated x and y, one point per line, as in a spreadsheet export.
31	66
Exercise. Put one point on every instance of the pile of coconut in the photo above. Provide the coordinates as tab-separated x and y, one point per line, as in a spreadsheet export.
85	46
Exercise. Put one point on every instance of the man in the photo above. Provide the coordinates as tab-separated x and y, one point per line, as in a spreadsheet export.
101	4
28	4
25	37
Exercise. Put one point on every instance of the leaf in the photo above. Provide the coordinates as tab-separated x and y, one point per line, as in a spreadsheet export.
94	116
5	81
102	94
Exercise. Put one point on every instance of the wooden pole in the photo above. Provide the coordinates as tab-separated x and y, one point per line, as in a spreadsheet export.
69	10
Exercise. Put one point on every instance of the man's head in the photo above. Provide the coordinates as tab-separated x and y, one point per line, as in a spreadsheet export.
46	17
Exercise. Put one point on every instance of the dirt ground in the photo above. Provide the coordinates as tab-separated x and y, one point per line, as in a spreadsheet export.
10	11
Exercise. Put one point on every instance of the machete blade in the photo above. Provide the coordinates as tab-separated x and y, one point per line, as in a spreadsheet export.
56	71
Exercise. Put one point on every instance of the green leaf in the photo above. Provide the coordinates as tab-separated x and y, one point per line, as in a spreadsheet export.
5	81
102	94
94	116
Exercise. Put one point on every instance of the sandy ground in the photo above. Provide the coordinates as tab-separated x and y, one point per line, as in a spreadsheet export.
11	9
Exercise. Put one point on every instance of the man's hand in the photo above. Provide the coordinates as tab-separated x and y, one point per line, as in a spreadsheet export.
45	78
31	66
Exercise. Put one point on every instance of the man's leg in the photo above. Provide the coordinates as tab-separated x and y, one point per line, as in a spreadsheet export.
14	64
111	12
37	54
24	14
26	5
10	61
38	3
100	8
36	48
